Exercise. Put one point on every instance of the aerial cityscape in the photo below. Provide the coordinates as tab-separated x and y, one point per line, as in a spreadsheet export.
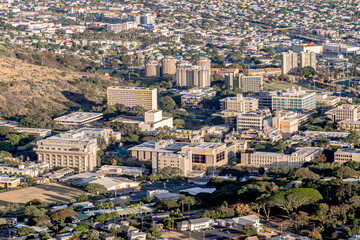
182	119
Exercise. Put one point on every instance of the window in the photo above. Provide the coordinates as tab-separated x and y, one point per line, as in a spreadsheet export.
220	156
197	158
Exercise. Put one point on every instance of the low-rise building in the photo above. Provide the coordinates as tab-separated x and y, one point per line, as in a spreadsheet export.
271	159
294	99
38	133
327	100
349	125
252	120
344	155
239	104
32	169
345	112
195	224
9	182
79	118
181	161
240	222
192	97
113	171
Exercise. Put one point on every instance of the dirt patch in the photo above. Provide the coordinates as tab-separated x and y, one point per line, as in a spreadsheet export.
48	193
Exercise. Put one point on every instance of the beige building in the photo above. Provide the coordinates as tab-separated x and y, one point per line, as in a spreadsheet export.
211	155
252	120
169	65
344	155
9	182
251	83
120	27
348	125
73	149
133	96
345	112
289	62
79	118
187	76
38	133
308	59
192	97
152	69
204	62
154	119
239	104
270	159
182	161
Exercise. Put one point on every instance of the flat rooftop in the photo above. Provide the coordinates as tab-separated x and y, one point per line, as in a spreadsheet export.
349	150
150	146
78	117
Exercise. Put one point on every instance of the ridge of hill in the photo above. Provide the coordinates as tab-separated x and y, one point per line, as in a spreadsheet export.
28	88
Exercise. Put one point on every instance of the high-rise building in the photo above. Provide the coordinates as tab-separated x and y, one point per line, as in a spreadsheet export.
229	80
152	69
308	59
289	62
132	96
239	104
169	65
251	83
147	19
187	76
294	99
204	62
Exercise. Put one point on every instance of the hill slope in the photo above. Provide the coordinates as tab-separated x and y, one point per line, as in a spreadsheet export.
26	88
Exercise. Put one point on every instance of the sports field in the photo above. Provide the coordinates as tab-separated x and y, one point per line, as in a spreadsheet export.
48	193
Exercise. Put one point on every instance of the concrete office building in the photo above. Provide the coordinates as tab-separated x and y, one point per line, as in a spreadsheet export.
169	65
210	154
187	76
73	149
239	104
308	59
265	99
251	83
294	99
229	81
270	159
204	62
152	69
121	26
348	125
147	19
79	118
289	62
192	97
344	155
345	112
60	151
182	161
132	96
252	120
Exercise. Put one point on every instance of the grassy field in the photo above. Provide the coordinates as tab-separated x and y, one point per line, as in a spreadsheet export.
279	86
48	193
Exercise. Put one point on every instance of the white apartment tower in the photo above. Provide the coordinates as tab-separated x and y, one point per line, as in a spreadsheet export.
289	62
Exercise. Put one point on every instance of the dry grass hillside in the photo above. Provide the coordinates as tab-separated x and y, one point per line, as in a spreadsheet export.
27	88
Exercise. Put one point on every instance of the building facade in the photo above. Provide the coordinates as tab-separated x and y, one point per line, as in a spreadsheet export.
181	161
344	155
270	159
345	112
251	83
294	99
239	104
289	62
169	65
187	76
308	59
152	69
133	96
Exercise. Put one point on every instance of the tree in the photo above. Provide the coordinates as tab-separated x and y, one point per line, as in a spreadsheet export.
62	214
170	172
241	209
5	154
167	104
11	206
166	204
320	158
154	232
24	231
344	172
304	173
250	230
352	164
290	200
82	227
95	188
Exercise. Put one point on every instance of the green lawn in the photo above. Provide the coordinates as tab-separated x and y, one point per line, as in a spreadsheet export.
280	86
